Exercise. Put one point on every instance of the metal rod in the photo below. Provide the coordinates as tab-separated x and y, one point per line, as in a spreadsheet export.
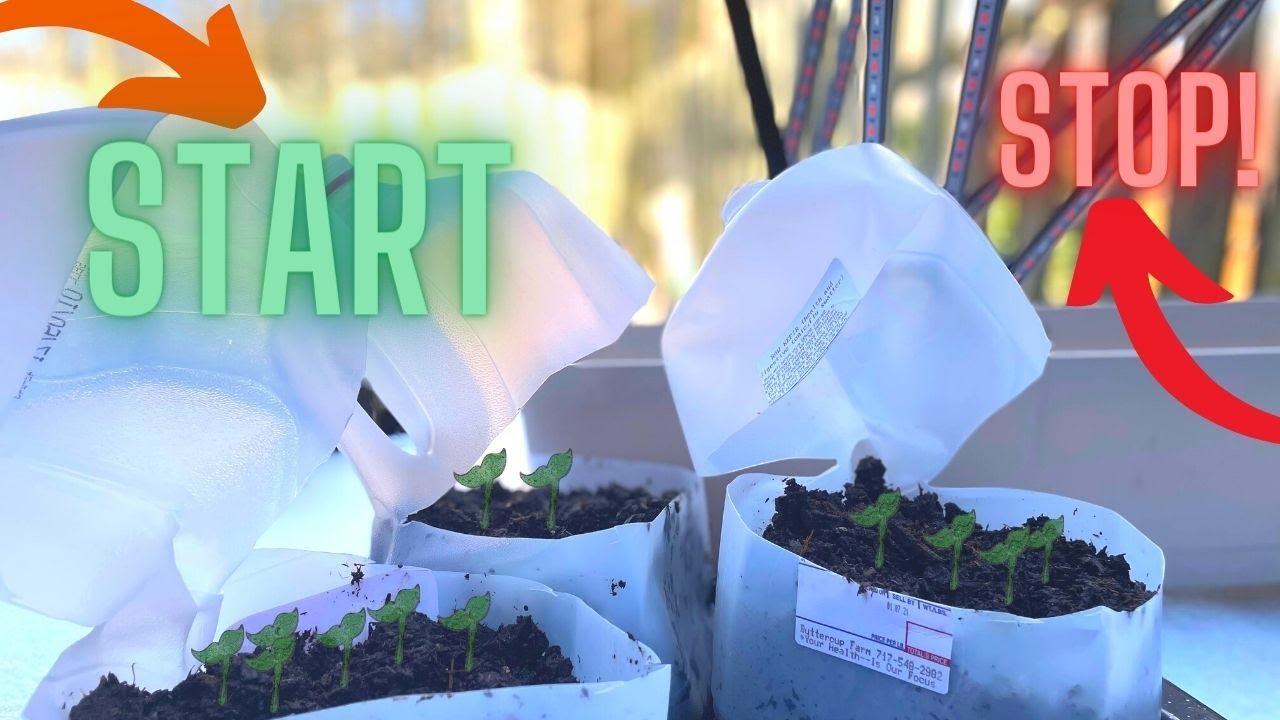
875	112
1199	56
814	38
1169	27
840	80
977	69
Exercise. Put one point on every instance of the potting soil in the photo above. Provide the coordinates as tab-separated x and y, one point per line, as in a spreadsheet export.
815	524
520	514
434	658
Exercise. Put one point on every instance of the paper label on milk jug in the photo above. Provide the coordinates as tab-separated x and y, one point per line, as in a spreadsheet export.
891	633
817	324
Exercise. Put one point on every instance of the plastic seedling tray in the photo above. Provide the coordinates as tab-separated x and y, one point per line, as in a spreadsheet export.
652	579
618	676
1098	663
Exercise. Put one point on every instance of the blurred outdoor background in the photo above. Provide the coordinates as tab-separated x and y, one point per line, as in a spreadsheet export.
636	109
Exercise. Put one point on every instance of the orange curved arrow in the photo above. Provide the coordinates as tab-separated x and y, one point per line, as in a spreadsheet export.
1122	249
216	82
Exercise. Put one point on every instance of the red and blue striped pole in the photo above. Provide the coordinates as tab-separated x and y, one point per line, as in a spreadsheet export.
840	80
1200	56
1169	27
977	69
875	113
814	39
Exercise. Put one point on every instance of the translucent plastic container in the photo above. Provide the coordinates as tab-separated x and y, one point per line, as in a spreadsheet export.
1094	664
45	205
559	289
619	677
936	334
852	308
141	458
650	579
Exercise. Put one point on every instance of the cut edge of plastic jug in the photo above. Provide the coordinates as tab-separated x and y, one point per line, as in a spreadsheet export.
835	189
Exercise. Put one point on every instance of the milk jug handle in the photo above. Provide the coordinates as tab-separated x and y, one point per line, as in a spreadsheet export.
380	461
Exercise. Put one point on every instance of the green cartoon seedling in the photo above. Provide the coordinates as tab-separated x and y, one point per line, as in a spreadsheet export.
277	641
342	636
398	611
1043	539
483	476
877	515
550	475
469	618
220	652
952	538
1007	553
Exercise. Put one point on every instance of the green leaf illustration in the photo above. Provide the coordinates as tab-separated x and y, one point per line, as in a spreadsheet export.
398	612
404	604
553	472
483	476
342	636
273	656
277	642
877	515
348	629
1007	552
469	619
883	508
285	624
953	537
476	609
1044	538
222	649
550	475
220	652
489	469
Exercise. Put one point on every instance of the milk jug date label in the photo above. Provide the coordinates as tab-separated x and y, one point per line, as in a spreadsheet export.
894	634
805	343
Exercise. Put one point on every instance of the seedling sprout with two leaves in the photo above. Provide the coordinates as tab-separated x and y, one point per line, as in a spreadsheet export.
483	476
877	515
342	636
1007	552
952	538
398	611
469	618
550	475
220	652
277	641
1044	538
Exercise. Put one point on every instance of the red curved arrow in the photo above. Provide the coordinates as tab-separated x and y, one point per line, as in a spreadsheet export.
216	82
1122	249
